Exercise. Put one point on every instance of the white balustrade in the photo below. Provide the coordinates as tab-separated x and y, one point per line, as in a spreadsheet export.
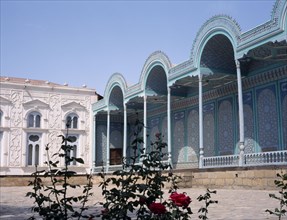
266	158
221	161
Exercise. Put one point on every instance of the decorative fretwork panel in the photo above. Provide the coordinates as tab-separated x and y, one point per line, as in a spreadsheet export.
267	119
248	123
101	146
116	136
283	88
225	127
248	130
116	139
178	138
153	130
208	130
193	136
164	136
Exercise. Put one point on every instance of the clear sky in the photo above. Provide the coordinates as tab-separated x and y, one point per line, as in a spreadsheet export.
85	42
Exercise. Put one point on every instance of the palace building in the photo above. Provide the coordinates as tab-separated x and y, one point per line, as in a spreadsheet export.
33	113
225	106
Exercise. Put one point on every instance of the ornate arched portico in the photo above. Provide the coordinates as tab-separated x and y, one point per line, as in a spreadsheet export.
224	106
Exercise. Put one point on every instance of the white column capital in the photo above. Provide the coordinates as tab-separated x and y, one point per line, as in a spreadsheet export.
200	76
237	63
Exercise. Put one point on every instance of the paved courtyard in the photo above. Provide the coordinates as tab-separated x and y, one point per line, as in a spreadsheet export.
233	204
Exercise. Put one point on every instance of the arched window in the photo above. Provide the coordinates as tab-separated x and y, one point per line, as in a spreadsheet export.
73	143
33	149
72	121
34	120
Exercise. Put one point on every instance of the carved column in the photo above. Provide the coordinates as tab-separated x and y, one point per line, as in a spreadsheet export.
125	132
94	150
241	115
200	111
169	126
145	124
108	142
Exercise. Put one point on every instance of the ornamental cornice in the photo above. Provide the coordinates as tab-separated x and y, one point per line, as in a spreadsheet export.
133	90
36	104
262	31
73	105
265	77
181	69
99	105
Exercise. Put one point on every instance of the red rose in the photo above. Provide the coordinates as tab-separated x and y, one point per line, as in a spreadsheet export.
157	208
180	199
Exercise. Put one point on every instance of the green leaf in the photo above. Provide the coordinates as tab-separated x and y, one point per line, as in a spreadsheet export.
79	160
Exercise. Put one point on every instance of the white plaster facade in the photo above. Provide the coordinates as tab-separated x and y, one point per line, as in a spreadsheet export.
33	114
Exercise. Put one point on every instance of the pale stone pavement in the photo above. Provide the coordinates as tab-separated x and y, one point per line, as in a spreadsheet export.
233	204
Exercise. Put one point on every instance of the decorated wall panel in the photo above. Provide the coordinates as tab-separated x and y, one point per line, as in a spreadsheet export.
267	118
193	136
55	111
178	138
225	133
283	90
16	109
248	123
164	136
153	130
101	144
209	130
116	137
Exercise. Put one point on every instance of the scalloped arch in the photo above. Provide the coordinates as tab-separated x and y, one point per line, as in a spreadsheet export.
279	12
220	24
156	58
116	79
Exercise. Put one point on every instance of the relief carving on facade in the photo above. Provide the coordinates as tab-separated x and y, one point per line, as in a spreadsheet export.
15	148
54	142
55	112
16	109
86	150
